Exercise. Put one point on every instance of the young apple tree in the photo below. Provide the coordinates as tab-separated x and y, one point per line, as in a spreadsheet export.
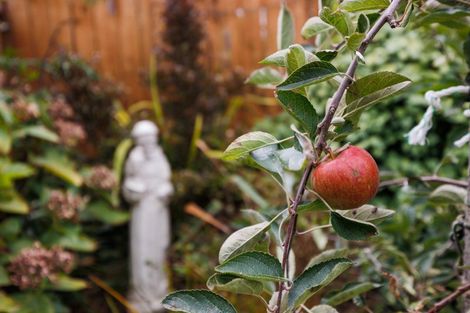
258	260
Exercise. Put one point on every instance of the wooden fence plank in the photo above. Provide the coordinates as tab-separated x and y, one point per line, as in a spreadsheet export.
124	36
20	24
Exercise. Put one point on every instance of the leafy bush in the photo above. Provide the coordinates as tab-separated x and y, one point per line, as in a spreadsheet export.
52	202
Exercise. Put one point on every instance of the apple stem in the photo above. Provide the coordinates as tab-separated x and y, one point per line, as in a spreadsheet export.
331	153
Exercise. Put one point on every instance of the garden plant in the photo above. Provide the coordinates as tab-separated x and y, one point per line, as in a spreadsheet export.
258	260
55	202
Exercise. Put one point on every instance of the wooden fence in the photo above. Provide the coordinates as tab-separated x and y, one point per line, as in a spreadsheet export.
119	36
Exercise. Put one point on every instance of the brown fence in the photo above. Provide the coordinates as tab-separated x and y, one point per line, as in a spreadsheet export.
120	35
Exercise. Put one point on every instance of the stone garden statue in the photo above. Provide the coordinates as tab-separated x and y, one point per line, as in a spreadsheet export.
147	187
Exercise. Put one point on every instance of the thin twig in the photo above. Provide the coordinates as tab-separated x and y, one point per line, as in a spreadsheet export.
428	179
449	299
322	131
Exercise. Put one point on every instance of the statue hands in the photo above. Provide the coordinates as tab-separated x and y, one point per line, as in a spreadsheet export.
165	190
134	190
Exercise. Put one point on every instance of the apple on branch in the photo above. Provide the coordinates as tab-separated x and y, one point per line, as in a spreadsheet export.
347	180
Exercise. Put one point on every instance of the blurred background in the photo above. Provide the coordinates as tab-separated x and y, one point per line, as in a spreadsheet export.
77	74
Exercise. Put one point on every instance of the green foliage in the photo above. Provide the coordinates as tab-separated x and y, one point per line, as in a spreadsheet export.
379	107
314	278
352	229
51	201
285	35
253	265
310	73
197	301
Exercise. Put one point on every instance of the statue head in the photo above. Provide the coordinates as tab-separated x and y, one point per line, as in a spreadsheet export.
145	134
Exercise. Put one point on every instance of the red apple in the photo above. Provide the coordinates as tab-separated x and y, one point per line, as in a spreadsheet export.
347	181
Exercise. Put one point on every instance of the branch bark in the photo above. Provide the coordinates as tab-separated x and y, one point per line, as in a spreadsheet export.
466	254
449	299
322	131
427	179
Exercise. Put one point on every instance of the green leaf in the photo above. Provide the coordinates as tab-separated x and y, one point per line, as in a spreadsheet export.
351	229
4	277
11	202
326	55
253	266
448	194
230	283
371	89
197	301
314	26
5	113
285	28
367	213
120	155
7	304
266	158
323	308
59	169
312	206
291	159
338	19
34	302
63	282
265	77
355	40
297	57
452	18
462	3
243	145
37	131
80	243
299	108
363	24
5	140
311	73
242	240
248	190
466	50
10	227
70	237
278	58
315	278
16	170
105	213
328	255
349	292
364	5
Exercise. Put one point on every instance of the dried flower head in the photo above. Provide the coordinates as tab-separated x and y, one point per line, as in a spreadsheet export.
60	109
70	133
35	264
61	260
102	178
65	205
24	110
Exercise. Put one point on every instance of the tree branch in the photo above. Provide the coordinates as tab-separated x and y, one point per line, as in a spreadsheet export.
322	131
466	239
323	127
427	179
449	299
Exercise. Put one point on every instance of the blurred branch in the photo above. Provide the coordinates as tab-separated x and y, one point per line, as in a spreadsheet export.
449	299
428	179
197	211
116	295
466	255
